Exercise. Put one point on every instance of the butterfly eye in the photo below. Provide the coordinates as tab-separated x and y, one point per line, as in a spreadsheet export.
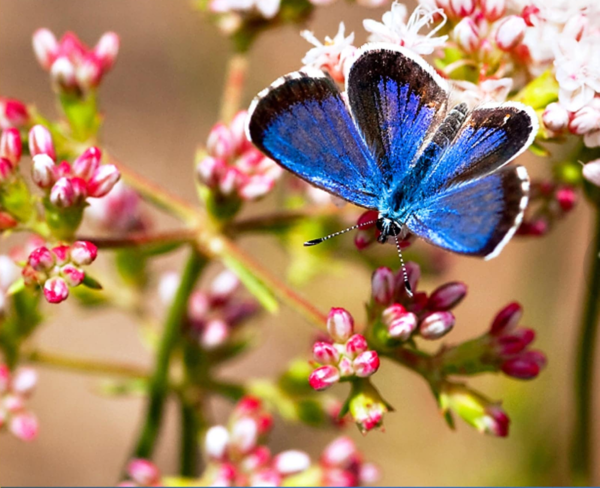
380	224
395	229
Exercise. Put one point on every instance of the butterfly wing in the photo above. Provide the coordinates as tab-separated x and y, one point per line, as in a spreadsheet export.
475	217
302	122
397	101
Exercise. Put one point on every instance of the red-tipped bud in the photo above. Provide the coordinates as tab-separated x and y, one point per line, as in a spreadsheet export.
575	26
56	290
447	296
585	120
103	180
83	253
43	172
525	366
10	145
62	254
566	198
461	8
107	49
413	270
530	14
41	259
40	142
507	319
24	426
63	74
291	462
340	325
492	10
400	324
436	325
6	169
339	453
244	434
323	377
45	47
72	275
555	117
466	34
220	142
13	113
356	344
382	285
237	128
325	353
209	170
366	364
514	342
63	194
143	472
87	164
510	32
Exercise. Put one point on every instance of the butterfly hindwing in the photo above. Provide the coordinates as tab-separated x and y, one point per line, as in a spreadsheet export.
302	122
476	217
397	100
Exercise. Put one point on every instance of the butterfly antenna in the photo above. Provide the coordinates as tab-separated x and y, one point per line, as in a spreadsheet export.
314	242
407	286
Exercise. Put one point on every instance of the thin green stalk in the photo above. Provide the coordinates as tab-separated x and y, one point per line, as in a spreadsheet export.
159	383
189	453
582	460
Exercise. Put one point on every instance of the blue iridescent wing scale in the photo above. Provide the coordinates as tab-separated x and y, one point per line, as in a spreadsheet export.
475	217
302	122
397	101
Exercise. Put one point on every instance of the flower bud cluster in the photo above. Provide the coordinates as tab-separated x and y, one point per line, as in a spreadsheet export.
13	113
348	356
142	473
68	185
215	314
510	345
73	66
486	416
368	233
429	316
233	168
10	154
237	455
15	389
583	122
548	203
58	269
342	464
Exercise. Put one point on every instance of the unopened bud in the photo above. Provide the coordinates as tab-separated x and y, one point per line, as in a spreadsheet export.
555	117
103	180
382	285
466	34
340	325
447	296
10	145
40	142
323	377
507	319
45	47
510	32
436	325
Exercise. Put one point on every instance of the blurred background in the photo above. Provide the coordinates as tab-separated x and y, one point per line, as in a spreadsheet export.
159	102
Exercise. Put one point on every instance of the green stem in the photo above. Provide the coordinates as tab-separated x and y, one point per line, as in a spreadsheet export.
141	240
159	383
581	450
190	447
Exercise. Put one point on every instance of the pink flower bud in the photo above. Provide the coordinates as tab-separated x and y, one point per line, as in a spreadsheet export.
507	319
216	442
45	47
339	453
413	271
143	472
258	458
514	342
56	290
248	405
400	324
89	72
291	462
106	50
30	276
257	186
510	32
230	180
525	366
266	477
223	287
566	198
62	193
40	142
214	334
555	117
466	34
63	74
72	275
492	10
220	143
4	378
345	367
495	421
62	254
10	145
23	381
447	296
198	305
325	353
244	434
340	325
103	180
210	170
436	325
356	345
591	172
24	426
575	26
43	171
382	285
13	113
79	189
462	8
369	474
6	169
83	253
366	364
13	403
238	132
363	239
41	259
585	120
323	377
87	164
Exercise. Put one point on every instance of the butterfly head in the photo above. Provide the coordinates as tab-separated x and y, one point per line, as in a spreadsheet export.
387	228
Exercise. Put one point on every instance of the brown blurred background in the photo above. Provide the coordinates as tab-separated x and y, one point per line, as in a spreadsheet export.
160	102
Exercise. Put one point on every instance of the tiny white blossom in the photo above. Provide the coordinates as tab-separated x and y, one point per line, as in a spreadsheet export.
396	29
333	56
487	91
267	8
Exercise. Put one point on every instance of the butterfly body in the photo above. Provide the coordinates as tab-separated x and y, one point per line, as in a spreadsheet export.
395	146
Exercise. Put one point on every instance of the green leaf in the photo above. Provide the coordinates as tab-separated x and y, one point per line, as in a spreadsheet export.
16	287
92	283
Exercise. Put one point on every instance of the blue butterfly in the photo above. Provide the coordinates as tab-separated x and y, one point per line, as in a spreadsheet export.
397	147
